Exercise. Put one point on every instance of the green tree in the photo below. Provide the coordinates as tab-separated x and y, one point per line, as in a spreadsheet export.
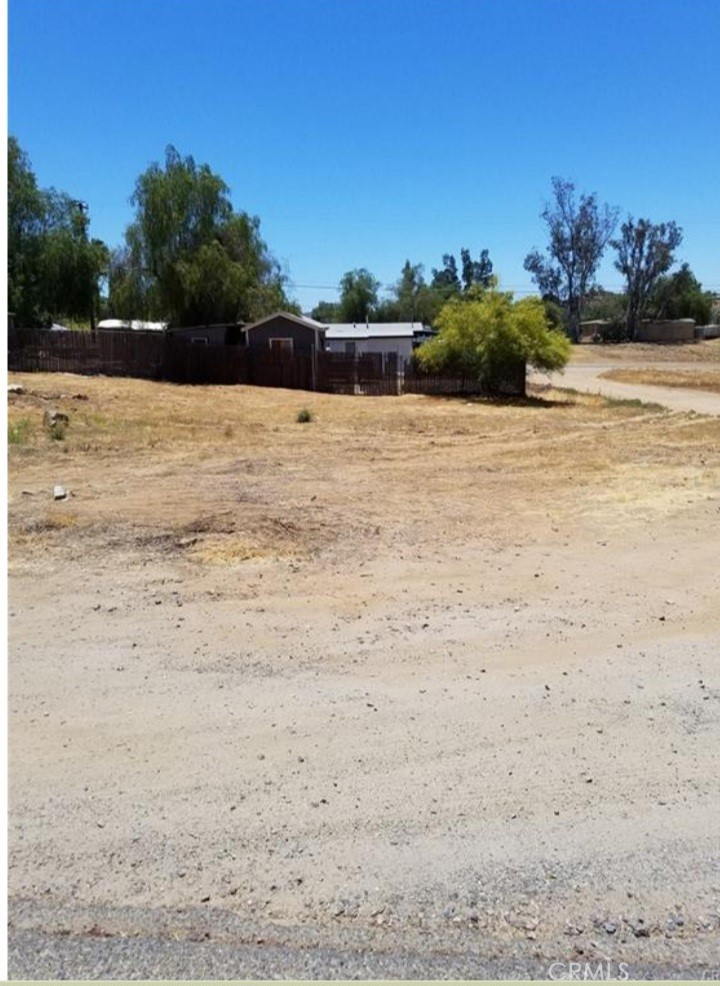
189	255
358	295
606	305
407	291
54	269
129	287
445	280
412	299
326	312
645	251
579	230
476	273
26	220
681	295
488	336
71	264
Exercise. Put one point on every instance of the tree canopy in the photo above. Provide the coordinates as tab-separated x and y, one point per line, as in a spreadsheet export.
189	257
54	268
681	295
358	295
411	298
645	251
579	230
487	336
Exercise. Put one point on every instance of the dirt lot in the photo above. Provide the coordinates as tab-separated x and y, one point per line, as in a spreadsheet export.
701	379
422	675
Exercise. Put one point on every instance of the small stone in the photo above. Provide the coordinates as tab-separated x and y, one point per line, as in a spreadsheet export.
610	928
16	388
51	418
60	493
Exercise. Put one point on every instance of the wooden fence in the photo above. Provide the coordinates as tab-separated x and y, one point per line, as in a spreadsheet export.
156	356
125	354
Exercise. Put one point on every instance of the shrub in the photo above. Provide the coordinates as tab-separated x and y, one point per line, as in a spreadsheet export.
486	338
615	331
304	416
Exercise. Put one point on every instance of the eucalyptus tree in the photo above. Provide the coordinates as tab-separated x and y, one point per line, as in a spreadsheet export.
579	230
645	251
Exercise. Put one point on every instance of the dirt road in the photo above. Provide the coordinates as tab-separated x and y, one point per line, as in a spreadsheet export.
589	378
422	687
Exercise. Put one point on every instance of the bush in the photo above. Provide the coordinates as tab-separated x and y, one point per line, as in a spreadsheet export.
614	331
487	338
304	416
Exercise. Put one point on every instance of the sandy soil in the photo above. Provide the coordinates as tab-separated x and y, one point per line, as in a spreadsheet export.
423	673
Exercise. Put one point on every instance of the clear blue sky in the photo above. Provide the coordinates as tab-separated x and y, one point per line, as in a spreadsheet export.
365	132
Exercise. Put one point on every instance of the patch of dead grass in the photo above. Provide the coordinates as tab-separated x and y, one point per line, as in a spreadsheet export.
708	380
57	522
702	351
229	551
231	477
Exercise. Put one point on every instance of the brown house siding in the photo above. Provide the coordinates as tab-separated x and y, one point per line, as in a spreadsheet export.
304	338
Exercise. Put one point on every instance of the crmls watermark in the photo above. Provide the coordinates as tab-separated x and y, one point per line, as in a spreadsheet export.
589	971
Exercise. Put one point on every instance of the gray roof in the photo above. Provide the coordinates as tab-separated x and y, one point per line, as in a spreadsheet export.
375	330
299	319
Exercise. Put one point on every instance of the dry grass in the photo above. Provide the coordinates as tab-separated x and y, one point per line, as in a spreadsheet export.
227	551
704	351
222	475
708	380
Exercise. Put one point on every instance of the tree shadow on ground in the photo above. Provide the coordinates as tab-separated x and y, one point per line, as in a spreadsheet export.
499	400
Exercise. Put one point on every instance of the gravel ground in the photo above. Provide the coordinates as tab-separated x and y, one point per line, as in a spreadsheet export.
133	944
431	689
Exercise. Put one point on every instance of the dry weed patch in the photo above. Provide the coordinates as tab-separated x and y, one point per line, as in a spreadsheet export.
692	379
702	351
223	475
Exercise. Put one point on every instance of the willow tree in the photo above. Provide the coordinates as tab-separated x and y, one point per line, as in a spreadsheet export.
189	256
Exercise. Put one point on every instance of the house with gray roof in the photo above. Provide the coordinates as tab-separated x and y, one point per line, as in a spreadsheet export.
360	338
